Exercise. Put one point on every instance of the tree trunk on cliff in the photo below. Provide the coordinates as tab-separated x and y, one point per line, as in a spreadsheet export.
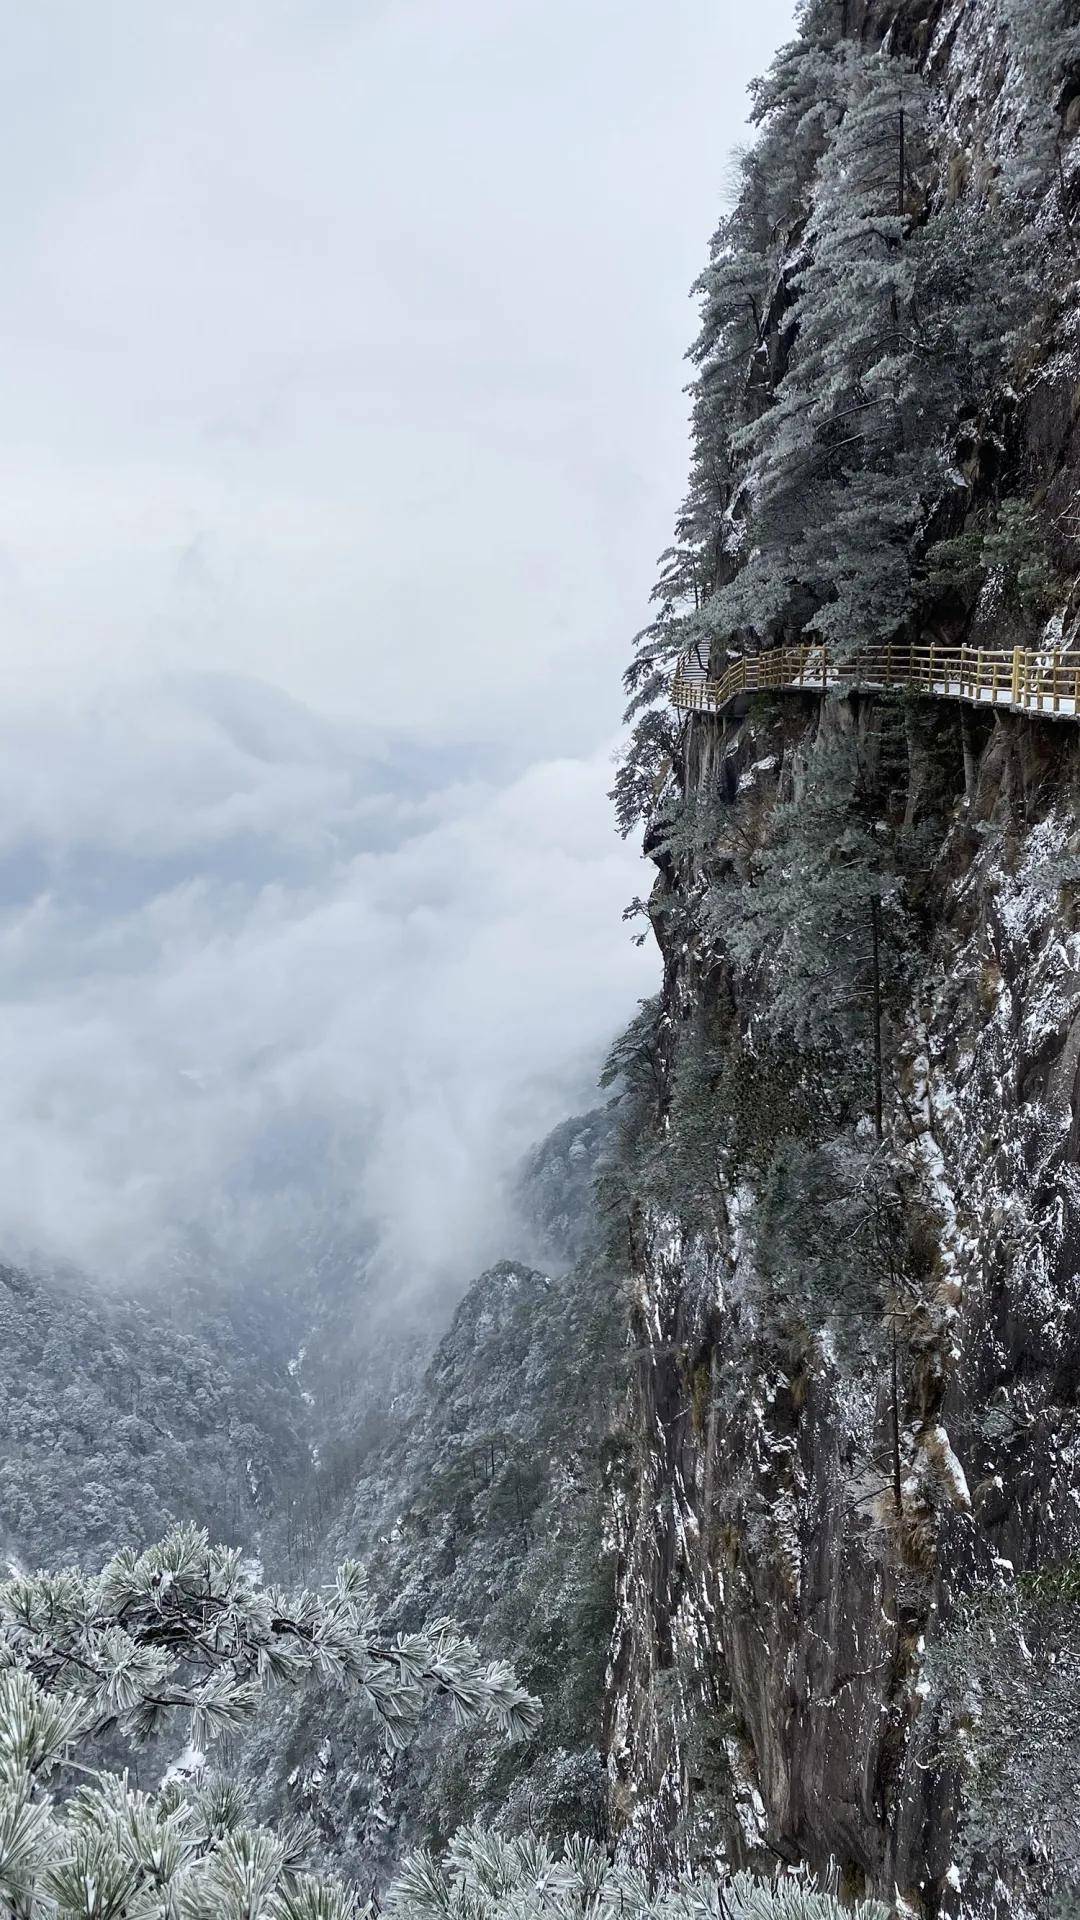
898	1496
968	749
875	953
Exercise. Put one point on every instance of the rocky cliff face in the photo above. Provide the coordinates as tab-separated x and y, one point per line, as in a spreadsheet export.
799	1660
849	1526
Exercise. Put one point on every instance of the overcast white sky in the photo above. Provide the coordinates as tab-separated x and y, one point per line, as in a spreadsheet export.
342	422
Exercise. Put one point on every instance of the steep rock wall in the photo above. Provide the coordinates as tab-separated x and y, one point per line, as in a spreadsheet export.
774	1687
847	1532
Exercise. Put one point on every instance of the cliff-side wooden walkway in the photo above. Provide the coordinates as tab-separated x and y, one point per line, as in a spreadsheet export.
1020	679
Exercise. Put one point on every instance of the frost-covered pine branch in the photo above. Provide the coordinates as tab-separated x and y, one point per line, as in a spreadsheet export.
184	1626
485	1876
112	1853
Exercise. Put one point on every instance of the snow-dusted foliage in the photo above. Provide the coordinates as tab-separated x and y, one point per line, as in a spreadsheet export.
121	1414
871	309
111	1852
484	1877
184	1627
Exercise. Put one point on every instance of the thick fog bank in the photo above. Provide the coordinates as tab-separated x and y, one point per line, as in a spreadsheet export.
261	973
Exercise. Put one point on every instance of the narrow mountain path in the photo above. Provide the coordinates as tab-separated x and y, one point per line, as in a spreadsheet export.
1020	679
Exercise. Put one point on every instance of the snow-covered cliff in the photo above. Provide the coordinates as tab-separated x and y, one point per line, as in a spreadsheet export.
849	1526
804	1665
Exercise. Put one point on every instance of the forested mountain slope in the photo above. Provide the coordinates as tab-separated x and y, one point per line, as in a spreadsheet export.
850	1529
485	1499
121	1414
306	1423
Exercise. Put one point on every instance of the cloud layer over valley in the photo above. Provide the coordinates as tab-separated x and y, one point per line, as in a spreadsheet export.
258	974
340	425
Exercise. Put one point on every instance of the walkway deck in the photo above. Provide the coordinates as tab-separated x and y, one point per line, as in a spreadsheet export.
1021	680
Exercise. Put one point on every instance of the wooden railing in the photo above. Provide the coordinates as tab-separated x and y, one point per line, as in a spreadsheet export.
1025	680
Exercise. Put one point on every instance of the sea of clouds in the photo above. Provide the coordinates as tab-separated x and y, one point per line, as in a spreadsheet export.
260	969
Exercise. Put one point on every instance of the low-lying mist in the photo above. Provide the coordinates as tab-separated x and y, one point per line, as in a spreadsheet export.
267	978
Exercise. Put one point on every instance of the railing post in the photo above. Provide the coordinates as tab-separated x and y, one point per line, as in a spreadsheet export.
1017	656
824	669
1055	670
978	679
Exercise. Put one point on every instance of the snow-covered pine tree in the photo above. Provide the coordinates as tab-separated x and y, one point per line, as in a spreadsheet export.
819	919
857	313
185	1626
745	295
1045	39
487	1877
840	465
